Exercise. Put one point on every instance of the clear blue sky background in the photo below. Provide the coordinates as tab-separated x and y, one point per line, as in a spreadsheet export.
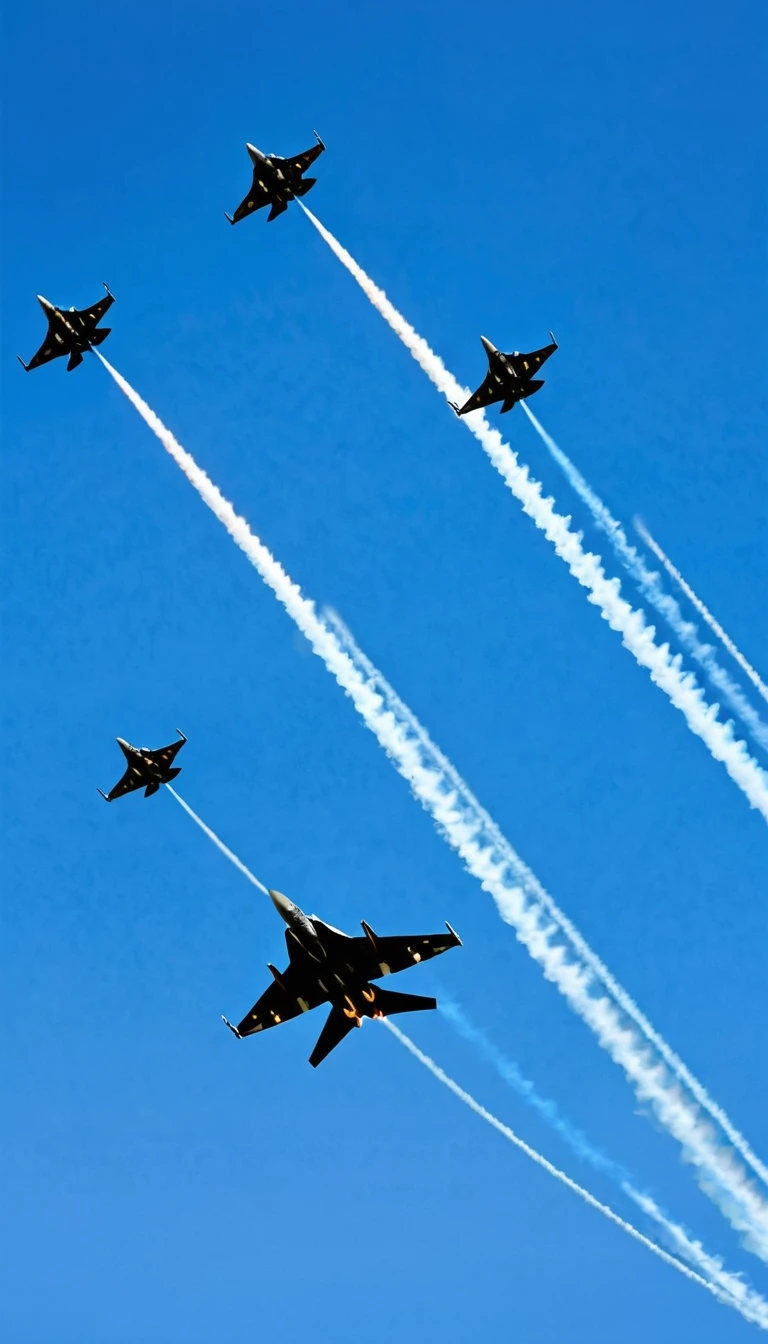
598	169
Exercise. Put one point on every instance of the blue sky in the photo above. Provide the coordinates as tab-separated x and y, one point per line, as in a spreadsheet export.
597	170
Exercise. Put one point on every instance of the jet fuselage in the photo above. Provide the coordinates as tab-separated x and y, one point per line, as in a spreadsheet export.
141	758
328	968
300	926
146	769
276	181
503	372
277	175
69	329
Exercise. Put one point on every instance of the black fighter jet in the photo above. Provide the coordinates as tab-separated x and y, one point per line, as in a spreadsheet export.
146	768
276	181
509	378
71	331
327	966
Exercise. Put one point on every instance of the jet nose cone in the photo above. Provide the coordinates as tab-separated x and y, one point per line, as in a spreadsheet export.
44	304
283	906
490	348
255	153
121	742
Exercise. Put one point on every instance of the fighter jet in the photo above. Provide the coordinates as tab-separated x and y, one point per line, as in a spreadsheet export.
508	378
327	966
71	331
146	768
276	181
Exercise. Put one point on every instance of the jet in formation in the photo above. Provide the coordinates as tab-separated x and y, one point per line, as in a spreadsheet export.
146	769
276	181
327	966
509	377
71	331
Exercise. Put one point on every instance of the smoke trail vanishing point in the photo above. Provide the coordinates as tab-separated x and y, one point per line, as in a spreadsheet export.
724	1297
746	1300
703	611
651	589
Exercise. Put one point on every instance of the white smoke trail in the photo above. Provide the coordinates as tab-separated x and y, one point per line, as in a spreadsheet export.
720	1174
750	1303
217	842
725	1297
703	611
651	588
481	826
744	1299
604	593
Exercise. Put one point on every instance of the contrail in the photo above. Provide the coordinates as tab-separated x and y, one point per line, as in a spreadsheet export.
217	842
747	1301
483	829
605	593
751	1305
513	1076
739	1295
703	611
650	587
721	1176
725	1297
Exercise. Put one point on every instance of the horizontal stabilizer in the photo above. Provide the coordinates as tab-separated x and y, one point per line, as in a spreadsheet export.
277	209
150	789
388	1002
532	386
337	1026
304	185
173	773
74	359
100	335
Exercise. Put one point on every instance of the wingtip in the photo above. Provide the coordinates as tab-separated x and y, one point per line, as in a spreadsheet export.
109	291
320	142
228	218
454	407
454	934
24	366
554	342
181	735
234	1030
104	796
